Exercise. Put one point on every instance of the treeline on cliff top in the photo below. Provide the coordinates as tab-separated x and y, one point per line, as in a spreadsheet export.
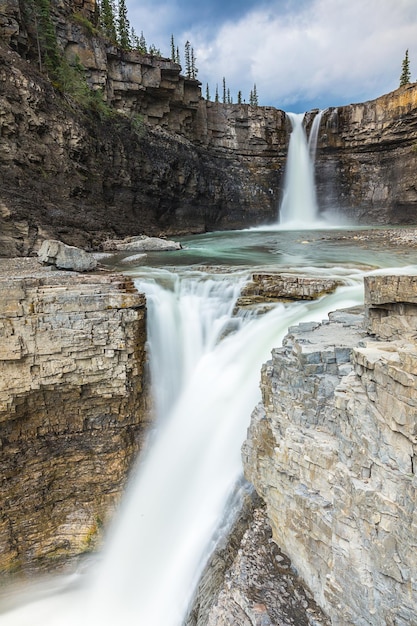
110	21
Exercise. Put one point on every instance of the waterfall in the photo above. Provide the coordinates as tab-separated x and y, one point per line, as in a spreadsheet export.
179	494
299	207
208	366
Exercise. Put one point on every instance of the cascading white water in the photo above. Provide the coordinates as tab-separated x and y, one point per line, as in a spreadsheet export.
185	320
173	505
178	496
299	207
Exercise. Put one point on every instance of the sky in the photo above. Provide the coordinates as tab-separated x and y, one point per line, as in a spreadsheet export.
301	54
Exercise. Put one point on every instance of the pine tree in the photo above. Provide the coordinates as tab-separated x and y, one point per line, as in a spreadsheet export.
194	70
177	57
216	97
253	98
134	39
154	50
48	50
107	19
229	99
224	90
173	57
142	43
123	27
405	74
187	54
239	97
207	93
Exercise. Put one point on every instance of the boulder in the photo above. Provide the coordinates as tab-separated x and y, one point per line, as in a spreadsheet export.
141	243
133	258
54	252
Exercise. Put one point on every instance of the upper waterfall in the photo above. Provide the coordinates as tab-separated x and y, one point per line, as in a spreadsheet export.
299	207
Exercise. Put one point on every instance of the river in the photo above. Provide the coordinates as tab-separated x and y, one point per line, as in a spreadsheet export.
205	362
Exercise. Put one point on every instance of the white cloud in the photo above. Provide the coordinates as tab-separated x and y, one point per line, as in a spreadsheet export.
155	20
343	48
320	52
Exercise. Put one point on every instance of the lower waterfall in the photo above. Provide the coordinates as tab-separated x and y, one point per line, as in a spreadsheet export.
181	488
205	364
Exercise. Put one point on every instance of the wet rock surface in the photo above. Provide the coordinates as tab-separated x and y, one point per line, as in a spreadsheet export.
261	588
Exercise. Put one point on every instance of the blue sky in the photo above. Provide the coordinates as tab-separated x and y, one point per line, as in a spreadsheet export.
302	54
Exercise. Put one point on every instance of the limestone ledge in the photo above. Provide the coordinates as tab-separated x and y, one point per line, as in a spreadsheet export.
332	451
72	409
278	286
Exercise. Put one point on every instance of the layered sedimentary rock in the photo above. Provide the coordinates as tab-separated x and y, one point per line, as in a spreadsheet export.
67	174
332	450
267	287
160	157
72	408
367	161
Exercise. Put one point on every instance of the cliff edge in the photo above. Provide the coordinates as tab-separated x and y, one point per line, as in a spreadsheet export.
332	451
72	408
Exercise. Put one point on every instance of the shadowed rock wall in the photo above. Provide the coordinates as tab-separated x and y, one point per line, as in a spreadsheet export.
167	161
367	159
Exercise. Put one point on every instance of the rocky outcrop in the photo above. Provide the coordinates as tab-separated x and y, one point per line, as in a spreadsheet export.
72	408
367	160
274	287
142	243
247	580
332	451
261	587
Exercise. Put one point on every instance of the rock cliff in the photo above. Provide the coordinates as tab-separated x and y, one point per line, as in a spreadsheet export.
72	408
332	451
367	161
163	159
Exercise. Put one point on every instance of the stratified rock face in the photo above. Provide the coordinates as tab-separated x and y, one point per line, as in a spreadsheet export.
167	161
275	287
71	176
367	161
392	307
332	450
72	409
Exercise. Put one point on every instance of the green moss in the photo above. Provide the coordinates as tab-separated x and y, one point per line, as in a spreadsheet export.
93	534
86	24
137	124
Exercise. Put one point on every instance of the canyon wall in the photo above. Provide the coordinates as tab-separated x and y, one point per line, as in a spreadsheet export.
160	159
332	451
367	160
73	408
